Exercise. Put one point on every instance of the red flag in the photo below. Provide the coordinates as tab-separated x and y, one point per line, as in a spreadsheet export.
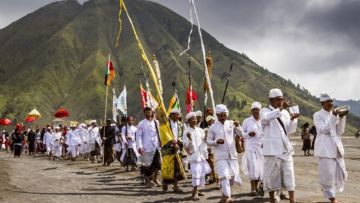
143	96
109	73
190	102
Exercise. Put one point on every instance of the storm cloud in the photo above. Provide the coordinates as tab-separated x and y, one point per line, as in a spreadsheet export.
312	42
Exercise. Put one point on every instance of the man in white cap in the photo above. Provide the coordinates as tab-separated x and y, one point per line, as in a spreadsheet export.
252	160
56	143
148	144
83	134
73	140
94	142
47	140
213	177
196	147
277	124
129	154
221	135
330	125
177	128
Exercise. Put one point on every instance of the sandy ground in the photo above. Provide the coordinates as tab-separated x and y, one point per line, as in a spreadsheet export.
30	179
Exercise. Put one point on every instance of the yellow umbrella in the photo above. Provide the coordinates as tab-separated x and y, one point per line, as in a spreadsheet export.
34	113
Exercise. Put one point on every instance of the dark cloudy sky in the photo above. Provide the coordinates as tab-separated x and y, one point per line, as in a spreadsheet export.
313	42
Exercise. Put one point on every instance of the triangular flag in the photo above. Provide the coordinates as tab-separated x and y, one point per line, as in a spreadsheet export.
174	103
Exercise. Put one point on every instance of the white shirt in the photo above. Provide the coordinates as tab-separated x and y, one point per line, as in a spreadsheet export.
73	138
131	132
197	147
251	125
174	129
147	137
84	134
329	128
275	141
47	138
94	135
117	145
56	139
226	132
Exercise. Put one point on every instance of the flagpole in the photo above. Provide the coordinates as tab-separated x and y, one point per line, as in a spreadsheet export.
162	110
227	83
190	87
104	127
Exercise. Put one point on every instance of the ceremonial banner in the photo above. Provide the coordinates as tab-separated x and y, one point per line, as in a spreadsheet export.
166	135
191	97
174	103
114	110
158	75
109	73
121	102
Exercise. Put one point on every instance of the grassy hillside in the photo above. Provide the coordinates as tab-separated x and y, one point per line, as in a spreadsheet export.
56	56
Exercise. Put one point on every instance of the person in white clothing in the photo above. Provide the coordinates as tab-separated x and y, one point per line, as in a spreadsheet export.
84	136
196	147
221	135
277	124
330	125
177	128
252	160
94	142
129	155
118	148
47	141
148	144
73	141
56	143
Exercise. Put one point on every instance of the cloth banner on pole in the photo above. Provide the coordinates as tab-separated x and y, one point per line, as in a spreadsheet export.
114	110
121	102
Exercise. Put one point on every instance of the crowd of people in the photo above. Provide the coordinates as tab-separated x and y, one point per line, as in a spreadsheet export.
205	146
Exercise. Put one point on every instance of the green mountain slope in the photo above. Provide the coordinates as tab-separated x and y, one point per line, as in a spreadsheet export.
56	56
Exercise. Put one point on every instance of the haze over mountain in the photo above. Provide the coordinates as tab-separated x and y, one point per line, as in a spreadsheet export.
56	56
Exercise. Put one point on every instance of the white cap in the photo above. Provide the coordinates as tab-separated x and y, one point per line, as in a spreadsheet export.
325	97
255	105
275	93
209	118
221	108
198	113
175	110
93	121
190	115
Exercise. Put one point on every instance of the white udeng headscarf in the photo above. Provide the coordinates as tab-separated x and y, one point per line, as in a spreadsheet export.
325	97
221	108
275	93
190	115
255	105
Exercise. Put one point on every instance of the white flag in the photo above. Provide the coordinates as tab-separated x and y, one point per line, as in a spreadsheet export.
158	74
121	102
153	102
114	110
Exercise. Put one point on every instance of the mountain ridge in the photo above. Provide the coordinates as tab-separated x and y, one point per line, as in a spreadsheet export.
65	61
